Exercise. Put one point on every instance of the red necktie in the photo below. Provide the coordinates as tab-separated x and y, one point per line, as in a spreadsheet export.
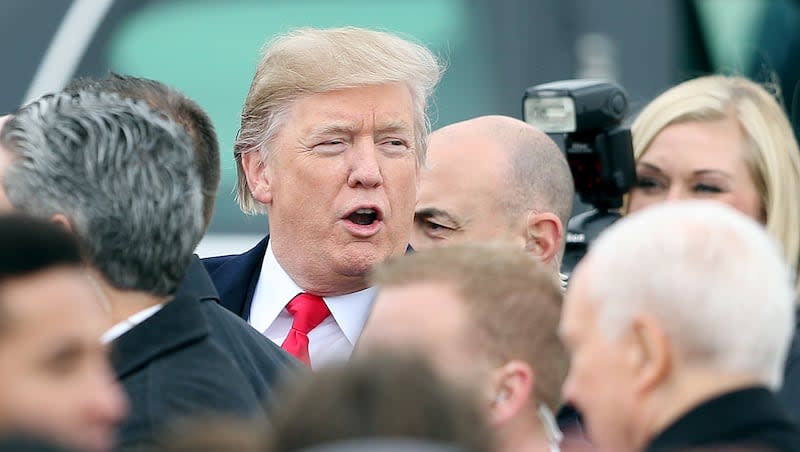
308	312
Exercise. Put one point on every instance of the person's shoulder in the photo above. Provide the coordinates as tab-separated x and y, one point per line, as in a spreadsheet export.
789	394
200	378
197	380
212	264
231	331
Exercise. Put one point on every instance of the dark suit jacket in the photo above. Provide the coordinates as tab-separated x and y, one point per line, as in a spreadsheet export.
236	276
171	367
789	394
262	362
751	418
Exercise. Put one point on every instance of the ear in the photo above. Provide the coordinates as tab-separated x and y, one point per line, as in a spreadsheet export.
258	177
61	220
544	235
510	392
651	355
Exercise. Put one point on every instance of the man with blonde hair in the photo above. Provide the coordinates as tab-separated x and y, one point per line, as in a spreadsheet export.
678	322
486	315
333	133
494	178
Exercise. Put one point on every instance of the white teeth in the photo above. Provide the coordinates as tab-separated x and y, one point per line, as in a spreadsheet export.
365	211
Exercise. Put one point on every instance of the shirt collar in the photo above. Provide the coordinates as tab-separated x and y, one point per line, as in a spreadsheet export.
351	311
275	288
126	325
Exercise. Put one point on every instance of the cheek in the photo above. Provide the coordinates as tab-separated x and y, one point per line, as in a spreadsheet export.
749	203
418	238
638	200
401	178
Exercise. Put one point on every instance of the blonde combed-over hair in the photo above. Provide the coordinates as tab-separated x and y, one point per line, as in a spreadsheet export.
309	61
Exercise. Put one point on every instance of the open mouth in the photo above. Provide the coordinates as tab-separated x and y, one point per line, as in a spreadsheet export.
364	216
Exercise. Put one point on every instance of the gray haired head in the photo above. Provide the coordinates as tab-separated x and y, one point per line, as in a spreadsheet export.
121	173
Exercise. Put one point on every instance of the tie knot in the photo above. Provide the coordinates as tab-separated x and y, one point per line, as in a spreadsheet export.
308	311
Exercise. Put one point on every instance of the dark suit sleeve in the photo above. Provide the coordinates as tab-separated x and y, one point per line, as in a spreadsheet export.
789	394
198	382
263	363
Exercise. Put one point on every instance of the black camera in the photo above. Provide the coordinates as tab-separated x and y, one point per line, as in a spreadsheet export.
585	117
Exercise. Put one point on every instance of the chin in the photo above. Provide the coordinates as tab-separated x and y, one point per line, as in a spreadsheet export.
359	260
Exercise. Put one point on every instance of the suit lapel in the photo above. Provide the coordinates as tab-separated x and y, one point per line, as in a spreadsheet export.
179	323
236	278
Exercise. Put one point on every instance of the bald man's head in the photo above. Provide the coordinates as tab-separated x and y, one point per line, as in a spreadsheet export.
483	180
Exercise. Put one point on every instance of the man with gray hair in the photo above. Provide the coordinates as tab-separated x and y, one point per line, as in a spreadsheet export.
333	133
261	360
494	178
678	322
122	178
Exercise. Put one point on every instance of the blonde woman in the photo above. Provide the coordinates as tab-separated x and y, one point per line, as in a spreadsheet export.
725	138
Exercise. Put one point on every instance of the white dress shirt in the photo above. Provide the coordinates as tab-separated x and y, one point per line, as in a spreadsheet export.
332	341
126	325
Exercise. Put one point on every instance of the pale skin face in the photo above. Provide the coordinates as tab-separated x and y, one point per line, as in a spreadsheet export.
340	185
600	379
461	189
57	381
697	160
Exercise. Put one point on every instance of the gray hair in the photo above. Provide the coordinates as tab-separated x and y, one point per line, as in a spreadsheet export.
121	173
309	61
714	279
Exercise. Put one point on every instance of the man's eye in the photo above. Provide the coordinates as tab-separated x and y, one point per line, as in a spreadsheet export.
63	362
394	145
330	146
435	229
434	226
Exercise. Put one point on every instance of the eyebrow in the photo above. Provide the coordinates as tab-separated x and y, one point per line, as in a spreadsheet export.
700	172
393	126
332	129
430	212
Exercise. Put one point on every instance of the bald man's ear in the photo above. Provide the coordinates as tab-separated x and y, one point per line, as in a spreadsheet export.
61	220
544	236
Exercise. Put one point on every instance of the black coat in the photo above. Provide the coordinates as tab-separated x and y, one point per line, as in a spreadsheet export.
789	394
174	365
751	418
262	362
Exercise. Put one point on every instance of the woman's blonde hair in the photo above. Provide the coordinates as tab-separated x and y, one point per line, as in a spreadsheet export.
771	151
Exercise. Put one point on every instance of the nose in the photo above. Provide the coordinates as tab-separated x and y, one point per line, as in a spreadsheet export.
567	390
109	404
365	170
676	193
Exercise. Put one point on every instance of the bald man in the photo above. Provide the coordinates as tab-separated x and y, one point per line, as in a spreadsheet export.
494	178
498	178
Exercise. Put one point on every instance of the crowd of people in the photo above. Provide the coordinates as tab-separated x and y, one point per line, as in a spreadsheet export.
408	295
